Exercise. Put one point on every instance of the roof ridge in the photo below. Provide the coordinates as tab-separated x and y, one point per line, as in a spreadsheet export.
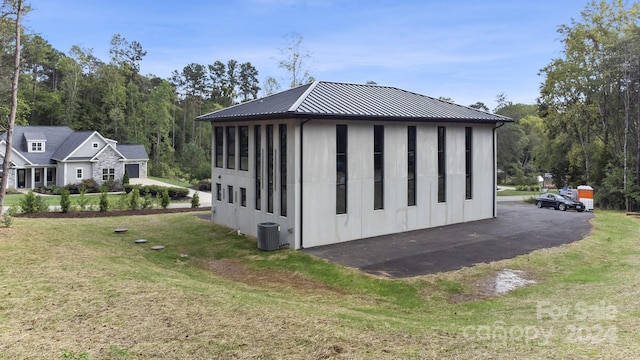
303	97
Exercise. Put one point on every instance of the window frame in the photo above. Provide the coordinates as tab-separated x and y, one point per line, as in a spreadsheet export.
342	145
230	134
282	134
378	167
468	153
244	147
218	134
442	164
411	165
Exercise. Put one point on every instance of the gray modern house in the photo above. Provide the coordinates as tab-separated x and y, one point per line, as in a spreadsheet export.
331	162
57	155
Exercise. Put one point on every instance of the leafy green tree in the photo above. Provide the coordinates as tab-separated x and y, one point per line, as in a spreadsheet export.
159	120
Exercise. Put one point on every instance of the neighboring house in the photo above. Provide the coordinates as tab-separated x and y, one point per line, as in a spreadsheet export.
57	155
332	162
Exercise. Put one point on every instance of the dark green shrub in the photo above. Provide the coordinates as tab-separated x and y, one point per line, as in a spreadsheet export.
175	193
204	185
109	186
125	178
90	186
165	200
195	200
65	200
104	202
32	203
134	199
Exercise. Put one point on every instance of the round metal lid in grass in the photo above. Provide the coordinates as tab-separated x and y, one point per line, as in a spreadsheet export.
120	230
157	247
140	241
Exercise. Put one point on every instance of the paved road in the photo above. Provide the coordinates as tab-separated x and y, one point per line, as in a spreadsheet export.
519	229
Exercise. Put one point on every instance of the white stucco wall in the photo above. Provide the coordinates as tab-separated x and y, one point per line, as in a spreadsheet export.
315	222
321	224
246	219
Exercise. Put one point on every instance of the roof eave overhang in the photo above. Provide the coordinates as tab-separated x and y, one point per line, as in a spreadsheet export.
343	117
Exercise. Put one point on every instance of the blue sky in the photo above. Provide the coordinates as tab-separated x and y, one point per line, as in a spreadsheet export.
467	50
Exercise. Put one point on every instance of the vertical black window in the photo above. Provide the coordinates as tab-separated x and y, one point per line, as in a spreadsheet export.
219	140
378	167
468	156
270	170
442	167
230	194
244	147
341	169
219	192
282	131
258	165
231	147
243	197
411	165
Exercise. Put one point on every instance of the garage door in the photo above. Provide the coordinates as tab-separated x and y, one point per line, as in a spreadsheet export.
133	170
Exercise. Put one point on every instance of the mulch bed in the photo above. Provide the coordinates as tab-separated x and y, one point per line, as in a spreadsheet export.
96	214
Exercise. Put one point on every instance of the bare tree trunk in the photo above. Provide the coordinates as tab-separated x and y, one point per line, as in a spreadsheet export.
14	107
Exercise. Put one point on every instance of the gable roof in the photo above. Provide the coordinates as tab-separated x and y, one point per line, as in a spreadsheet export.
133	152
323	99
55	137
61	142
71	144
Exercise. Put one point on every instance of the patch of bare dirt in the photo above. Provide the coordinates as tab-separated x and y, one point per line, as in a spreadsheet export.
97	214
280	279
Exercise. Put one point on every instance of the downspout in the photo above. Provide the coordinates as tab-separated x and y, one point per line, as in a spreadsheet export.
495	169
301	180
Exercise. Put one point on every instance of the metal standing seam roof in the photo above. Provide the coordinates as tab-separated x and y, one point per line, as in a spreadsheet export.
323	99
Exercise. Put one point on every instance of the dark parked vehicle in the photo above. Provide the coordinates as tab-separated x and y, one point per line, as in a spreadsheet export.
559	202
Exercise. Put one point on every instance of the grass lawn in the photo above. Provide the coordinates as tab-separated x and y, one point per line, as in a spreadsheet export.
72	288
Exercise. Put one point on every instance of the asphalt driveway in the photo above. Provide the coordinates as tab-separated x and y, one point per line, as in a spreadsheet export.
519	229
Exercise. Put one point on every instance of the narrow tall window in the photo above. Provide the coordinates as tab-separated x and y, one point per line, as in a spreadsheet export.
270	170
468	156
231	147
243	197
258	165
442	168
341	169
378	167
282	132
219	140
219	192
230	194
244	147
411	165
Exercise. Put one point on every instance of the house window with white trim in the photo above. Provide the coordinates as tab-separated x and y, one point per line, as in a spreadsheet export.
36	176
108	174
37	146
78	173
95	145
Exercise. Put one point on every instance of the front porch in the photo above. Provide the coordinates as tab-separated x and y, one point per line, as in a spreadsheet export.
31	178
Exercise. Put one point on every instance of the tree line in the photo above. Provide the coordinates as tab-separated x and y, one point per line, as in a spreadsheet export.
584	128
79	90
